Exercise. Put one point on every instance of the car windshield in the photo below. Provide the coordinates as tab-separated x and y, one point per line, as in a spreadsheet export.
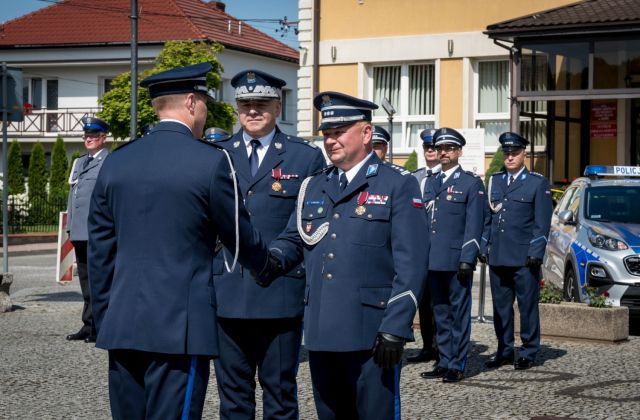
619	204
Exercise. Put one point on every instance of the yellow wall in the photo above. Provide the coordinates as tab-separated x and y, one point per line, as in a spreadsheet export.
451	93
345	19
340	78
603	151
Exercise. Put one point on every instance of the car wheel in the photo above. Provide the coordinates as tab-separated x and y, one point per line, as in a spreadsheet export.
571	291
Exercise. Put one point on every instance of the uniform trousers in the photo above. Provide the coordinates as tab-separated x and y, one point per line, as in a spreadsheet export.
80	248
149	386
508	283
427	323
272	346
451	300
350	386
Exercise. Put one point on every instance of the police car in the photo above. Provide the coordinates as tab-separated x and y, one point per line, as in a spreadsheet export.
595	237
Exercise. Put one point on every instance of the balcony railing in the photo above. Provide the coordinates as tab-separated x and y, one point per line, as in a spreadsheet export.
51	122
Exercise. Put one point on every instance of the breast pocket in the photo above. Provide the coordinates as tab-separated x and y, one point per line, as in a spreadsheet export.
457	202
371	227
523	197
313	216
282	196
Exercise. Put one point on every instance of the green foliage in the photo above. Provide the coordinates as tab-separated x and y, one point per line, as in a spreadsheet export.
58	185
412	162
549	294
116	103
496	165
15	178
598	300
37	172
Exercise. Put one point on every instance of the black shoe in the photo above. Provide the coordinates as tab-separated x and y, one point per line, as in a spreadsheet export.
80	335
438	372
523	364
453	375
90	339
423	356
497	361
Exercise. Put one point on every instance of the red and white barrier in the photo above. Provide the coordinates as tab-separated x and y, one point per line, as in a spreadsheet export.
66	255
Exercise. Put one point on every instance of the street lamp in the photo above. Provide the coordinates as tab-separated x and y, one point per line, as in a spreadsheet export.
390	110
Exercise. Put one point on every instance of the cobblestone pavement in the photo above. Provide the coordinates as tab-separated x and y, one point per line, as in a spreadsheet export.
46	377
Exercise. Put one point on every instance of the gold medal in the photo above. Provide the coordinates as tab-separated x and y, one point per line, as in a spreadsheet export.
449	197
360	210
276	186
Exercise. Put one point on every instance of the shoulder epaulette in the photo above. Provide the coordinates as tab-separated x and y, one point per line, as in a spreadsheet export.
497	173
418	170
302	141
537	174
212	144
473	174
323	170
121	145
397	168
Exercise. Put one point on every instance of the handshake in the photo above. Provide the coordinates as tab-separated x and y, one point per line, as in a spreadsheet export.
272	269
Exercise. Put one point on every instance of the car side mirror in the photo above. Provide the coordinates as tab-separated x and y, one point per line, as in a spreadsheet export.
566	217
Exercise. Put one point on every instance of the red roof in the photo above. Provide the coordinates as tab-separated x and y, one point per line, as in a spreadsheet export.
90	22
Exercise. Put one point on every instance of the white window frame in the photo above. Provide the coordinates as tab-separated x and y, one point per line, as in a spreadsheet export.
488	116
101	81
402	108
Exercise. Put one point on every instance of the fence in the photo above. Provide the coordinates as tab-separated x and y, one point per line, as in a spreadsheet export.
37	214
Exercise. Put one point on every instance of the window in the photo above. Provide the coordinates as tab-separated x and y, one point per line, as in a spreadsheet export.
105	84
410	88
492	100
285	114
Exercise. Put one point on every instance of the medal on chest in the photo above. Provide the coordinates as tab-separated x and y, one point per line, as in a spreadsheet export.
276	174
362	198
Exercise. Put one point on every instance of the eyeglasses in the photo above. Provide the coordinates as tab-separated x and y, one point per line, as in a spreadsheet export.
428	147
88	136
448	148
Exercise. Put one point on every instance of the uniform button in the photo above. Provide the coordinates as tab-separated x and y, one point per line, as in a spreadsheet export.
505	199
336	216
434	220
501	230
329	276
249	213
433	231
299	272
437	198
334	236
330	255
310	214
370	216
250	193
382	303
284	191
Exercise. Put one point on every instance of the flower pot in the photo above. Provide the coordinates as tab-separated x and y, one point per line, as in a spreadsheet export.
578	320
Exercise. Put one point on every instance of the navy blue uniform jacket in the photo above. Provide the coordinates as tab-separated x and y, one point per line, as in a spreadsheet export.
521	220
157	207
237	293
456	212
366	274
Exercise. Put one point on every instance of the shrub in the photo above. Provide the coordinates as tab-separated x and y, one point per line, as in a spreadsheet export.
58	185
412	162
37	172
598	300
549	294
496	165
15	178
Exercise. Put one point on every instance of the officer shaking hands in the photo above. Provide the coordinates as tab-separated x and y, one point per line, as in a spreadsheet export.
361	228
84	172
521	209
157	207
455	203
261	328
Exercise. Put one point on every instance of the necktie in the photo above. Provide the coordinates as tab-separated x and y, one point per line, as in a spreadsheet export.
254	162
429	172
343	181
439	179
510	180
87	161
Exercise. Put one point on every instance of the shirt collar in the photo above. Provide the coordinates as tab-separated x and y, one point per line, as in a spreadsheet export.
516	174
176	121
95	155
448	173
265	141
351	173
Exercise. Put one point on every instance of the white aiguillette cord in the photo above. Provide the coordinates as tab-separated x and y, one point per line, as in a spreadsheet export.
322	229
237	203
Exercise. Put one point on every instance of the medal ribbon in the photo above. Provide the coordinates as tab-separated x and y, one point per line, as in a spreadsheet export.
362	198
276	174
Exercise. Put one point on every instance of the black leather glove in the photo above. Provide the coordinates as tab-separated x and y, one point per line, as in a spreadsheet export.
272	270
483	258
387	352
465	271
533	262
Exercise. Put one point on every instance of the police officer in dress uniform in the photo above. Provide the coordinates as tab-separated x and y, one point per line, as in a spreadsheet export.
156	210
261	328
425	311
455	203
84	172
362	231
521	206
380	141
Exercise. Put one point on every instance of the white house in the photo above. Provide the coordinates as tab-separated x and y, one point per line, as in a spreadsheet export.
71	50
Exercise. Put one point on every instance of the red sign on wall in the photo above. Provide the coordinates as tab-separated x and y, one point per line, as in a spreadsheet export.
604	119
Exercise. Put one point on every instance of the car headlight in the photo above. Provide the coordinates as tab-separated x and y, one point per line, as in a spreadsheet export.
606	242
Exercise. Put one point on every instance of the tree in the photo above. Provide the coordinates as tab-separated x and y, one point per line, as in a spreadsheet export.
15	175
58	185
117	102
412	162
496	165
37	172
